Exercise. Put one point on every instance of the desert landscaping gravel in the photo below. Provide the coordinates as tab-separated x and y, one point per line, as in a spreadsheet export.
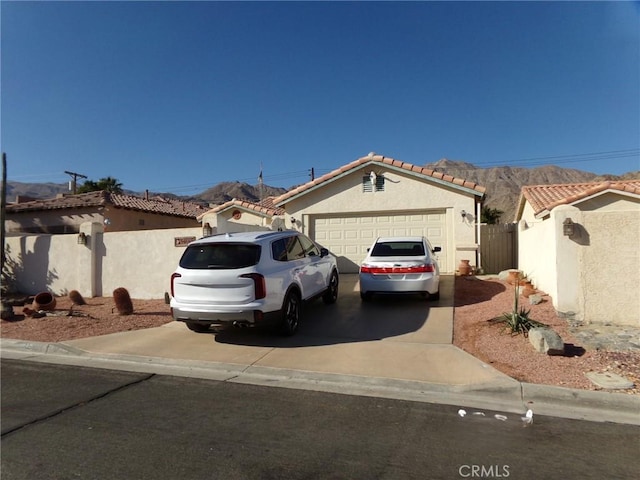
478	302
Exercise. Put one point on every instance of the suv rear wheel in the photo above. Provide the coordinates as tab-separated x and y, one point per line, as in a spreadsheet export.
290	314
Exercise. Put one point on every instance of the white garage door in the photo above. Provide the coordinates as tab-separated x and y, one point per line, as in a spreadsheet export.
348	237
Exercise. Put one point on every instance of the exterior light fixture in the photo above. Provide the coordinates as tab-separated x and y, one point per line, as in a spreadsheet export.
82	238
207	231
463	213
568	227
293	220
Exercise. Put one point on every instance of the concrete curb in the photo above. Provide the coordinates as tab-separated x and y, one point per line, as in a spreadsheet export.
504	395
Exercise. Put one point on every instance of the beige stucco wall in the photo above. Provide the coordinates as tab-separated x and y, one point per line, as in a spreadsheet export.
119	219
142	262
114	219
611	267
63	221
402	192
595	273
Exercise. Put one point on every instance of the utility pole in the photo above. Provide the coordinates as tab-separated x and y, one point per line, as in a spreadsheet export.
3	208
313	174
73	184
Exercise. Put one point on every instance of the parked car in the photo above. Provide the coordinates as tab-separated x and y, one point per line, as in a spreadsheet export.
400	265
251	278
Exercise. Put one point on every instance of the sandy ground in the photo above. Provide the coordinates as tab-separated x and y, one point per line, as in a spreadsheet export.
477	303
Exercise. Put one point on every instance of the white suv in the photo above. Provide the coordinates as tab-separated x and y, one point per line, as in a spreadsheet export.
251	278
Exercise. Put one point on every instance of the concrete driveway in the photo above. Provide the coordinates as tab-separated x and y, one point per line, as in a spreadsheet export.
405	338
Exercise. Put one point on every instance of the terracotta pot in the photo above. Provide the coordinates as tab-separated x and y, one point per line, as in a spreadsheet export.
464	268
528	289
514	277
44	301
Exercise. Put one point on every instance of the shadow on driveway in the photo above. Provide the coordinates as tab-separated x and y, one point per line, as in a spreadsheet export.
351	320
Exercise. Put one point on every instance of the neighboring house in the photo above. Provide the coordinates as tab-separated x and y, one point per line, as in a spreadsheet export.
580	243
348	208
116	212
238	215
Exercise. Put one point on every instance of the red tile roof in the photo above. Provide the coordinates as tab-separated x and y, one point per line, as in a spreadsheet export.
543	198
176	208
265	207
386	161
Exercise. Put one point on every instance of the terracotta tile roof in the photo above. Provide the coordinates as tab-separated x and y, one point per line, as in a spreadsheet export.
386	161
543	198
103	198
265	207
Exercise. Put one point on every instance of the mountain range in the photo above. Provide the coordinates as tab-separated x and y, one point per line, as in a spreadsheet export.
503	185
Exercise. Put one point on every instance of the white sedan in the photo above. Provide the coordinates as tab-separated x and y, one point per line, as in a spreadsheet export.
400	265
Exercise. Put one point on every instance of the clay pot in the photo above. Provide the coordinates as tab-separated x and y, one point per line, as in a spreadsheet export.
464	268
44	301
514	277
528	289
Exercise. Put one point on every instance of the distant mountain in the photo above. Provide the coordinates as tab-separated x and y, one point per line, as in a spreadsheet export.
503	185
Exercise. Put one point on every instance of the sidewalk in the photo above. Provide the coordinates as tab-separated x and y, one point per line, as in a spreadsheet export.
358	351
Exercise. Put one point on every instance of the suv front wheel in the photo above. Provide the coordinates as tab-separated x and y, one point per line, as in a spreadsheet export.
290	314
331	295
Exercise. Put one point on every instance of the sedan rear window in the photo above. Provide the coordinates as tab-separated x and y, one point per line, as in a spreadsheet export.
398	249
220	256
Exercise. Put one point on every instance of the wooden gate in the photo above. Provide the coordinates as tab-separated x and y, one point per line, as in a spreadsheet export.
499	247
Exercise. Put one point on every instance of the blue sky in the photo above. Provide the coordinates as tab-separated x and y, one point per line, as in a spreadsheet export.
179	96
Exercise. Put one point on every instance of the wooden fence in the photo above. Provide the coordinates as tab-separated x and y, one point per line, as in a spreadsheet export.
499	247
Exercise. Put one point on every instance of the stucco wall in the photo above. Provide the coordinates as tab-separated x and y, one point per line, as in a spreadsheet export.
594	274
142	262
611	267
537	251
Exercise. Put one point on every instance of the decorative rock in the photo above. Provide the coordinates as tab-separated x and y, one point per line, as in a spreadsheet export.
609	381
546	340
535	299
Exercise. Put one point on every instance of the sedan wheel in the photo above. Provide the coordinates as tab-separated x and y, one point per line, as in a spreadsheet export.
290	314
331	295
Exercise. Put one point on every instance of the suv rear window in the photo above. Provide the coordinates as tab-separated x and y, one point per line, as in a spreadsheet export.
220	256
398	249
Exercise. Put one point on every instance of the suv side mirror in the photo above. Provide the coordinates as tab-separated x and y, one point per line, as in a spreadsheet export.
324	252
437	249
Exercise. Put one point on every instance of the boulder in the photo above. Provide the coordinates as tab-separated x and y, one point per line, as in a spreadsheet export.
546	340
535	299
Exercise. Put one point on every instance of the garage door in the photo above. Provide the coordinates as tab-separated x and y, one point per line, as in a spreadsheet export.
348	237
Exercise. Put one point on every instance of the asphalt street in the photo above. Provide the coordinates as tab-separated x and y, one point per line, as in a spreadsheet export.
62	422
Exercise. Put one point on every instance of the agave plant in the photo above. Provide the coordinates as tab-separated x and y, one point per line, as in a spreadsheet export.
518	319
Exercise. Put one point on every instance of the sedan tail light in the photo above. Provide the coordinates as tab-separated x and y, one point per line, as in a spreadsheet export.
173	278
259	284
424	268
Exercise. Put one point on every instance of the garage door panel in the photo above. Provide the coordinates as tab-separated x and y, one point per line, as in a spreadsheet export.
349	237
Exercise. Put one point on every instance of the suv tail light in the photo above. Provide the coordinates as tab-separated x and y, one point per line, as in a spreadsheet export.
259	284
173	278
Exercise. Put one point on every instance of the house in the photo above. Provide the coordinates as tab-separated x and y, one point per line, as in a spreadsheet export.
580	243
242	215
116	212
348	208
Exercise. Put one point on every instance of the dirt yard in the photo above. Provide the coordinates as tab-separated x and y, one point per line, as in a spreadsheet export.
477	302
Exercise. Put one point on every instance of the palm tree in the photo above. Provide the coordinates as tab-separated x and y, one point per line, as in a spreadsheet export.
109	184
490	216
